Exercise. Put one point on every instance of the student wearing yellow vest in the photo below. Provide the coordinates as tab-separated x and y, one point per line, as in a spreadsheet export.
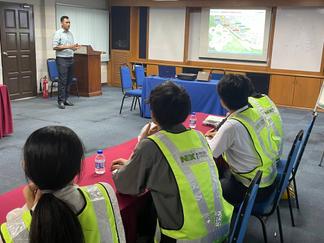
57	210
245	141
270	111
176	165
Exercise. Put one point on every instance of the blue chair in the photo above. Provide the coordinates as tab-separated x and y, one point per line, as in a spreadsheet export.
167	71
54	75
139	75
127	88
292	178
216	76
244	212
271	204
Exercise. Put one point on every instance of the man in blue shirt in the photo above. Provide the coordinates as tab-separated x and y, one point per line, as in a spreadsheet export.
63	44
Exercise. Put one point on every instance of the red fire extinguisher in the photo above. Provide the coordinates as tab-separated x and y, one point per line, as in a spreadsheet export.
45	87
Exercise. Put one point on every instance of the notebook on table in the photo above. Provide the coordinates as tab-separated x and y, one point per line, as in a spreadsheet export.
212	120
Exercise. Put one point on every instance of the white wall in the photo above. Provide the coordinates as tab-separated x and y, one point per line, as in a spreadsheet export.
194	41
98	4
166	33
298	39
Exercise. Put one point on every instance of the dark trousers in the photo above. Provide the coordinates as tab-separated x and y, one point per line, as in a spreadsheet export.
233	190
146	221
65	70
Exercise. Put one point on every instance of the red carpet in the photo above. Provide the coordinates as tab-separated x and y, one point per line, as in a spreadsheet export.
128	204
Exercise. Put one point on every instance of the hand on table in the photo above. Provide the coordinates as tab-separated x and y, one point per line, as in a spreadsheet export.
118	164
31	194
75	47
210	133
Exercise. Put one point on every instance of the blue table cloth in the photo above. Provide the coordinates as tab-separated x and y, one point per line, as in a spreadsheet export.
203	95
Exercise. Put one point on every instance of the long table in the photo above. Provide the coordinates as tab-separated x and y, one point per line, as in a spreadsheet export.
203	95
6	124
129	205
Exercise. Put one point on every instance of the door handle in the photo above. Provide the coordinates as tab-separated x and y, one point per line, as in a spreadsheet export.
5	53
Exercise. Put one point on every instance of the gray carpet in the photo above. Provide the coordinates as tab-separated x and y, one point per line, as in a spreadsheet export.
98	123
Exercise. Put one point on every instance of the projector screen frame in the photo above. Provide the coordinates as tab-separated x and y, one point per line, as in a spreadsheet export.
267	40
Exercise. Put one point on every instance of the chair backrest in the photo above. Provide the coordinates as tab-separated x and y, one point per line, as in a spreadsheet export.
216	76
292	157
125	78
167	71
244	212
140	75
304	143
52	69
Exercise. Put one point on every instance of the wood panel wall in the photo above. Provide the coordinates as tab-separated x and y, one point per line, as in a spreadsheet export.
218	3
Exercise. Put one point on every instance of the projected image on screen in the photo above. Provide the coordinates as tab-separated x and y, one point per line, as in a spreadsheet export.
236	32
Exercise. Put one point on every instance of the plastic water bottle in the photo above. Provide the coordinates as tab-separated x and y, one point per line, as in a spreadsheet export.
100	163
193	120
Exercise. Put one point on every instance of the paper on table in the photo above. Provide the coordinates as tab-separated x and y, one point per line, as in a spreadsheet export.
81	50
213	120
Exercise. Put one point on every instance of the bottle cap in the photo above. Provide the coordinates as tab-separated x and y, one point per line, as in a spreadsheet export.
99	151
193	113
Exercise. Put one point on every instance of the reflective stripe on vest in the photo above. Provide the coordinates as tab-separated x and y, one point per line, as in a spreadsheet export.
268	156
264	180
18	231
114	223
266	106
214	223
258	125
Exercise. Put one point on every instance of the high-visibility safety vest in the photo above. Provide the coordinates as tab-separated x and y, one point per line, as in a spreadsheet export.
206	214
100	219
264	144
266	106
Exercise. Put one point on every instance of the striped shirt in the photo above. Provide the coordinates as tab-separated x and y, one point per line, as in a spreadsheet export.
63	37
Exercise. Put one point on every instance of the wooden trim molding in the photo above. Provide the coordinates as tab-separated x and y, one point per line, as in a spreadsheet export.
186	36
134	31
213	3
231	68
271	35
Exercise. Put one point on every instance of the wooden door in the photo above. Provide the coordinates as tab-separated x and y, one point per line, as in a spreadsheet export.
281	89
306	92
18	49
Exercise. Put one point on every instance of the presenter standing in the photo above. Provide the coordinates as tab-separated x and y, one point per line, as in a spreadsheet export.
63	44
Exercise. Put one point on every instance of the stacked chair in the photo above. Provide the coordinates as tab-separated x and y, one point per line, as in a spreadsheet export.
127	89
320	104
139	75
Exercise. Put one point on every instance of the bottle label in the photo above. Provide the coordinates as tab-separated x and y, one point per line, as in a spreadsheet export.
192	123
100	164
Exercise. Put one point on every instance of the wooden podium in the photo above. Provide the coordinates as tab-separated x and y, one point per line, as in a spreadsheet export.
87	69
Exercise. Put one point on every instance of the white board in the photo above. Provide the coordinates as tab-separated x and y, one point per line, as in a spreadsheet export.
88	26
298	39
166	33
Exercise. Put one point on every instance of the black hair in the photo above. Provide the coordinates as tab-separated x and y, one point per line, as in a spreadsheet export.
234	90
170	104
53	157
64	17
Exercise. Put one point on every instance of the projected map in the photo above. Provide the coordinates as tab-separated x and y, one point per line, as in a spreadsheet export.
236	31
